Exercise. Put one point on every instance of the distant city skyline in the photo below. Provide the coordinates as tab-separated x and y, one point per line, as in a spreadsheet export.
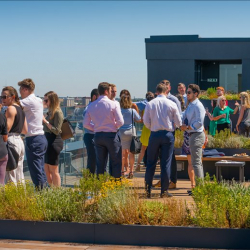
70	47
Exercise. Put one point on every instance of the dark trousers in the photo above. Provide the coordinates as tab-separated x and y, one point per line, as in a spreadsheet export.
221	127
91	161
173	174
108	143
163	140
35	148
244	129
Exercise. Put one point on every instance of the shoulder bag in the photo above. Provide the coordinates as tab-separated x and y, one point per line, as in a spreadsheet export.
67	130
13	157
135	146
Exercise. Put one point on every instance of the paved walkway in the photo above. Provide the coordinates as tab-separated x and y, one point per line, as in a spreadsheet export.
40	245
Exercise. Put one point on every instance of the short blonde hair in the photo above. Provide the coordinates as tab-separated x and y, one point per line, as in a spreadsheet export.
219	99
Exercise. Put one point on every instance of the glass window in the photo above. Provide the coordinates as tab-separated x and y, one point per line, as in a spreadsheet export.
230	77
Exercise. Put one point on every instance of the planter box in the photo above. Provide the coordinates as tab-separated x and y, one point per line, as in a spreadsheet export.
189	237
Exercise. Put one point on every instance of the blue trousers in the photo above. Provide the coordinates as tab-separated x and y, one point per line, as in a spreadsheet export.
36	147
108	143
173	174
91	161
163	140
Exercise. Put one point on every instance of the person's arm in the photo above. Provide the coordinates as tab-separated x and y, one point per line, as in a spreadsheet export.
10	117
177	117
199	118
234	111
217	117
211	118
137	117
146	117
25	127
58	121
87	122
118	117
240	118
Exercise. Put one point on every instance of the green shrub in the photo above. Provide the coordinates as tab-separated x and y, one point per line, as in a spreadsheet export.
19	202
221	204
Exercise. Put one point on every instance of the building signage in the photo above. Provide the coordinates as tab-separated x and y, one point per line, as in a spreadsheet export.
212	80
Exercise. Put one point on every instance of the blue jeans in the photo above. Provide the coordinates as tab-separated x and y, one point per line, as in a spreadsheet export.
163	140
91	161
108	143
35	148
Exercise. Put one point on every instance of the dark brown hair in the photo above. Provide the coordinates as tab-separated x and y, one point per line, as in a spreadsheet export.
102	87
165	82
195	88
13	92
27	83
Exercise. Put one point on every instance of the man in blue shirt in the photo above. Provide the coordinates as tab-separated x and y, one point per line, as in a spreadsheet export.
89	136
195	114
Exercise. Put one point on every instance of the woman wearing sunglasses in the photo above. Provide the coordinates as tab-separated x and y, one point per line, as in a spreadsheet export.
221	114
16	125
52	128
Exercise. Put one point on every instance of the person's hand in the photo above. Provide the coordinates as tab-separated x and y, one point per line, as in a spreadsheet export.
44	120
223	116
237	104
237	127
183	127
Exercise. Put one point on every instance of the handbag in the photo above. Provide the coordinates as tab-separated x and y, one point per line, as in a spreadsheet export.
13	157
67	130
135	146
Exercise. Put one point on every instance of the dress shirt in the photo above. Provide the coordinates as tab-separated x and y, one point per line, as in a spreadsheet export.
105	115
176	101
87	131
141	105
33	109
160	113
185	99
195	114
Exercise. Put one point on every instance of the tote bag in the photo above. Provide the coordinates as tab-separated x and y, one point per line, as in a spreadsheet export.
13	157
67	130
135	146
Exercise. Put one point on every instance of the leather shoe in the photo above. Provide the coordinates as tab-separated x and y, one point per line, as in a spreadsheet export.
166	195
172	185
158	184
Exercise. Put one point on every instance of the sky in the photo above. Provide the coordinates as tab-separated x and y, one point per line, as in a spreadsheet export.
70	47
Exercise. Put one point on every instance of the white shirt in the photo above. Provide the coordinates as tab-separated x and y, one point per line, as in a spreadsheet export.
160	114
33	109
103	115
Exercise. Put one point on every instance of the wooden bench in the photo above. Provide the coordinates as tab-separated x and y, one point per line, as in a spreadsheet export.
214	159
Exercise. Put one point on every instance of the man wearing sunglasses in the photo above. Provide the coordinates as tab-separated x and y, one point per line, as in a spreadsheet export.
36	143
195	114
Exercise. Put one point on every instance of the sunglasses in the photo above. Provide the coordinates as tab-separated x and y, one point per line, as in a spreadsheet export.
45	100
189	92
223	100
4	97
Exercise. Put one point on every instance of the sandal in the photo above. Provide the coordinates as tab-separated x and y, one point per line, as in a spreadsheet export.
130	175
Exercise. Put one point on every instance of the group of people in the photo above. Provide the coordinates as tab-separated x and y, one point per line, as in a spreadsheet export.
109	128
43	142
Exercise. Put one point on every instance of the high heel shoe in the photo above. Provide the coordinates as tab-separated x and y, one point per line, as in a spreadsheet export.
130	175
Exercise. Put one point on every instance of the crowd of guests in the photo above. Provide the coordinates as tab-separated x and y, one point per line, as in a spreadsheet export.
109	128
42	134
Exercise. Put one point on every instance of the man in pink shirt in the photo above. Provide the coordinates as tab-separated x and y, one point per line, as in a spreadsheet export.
106	119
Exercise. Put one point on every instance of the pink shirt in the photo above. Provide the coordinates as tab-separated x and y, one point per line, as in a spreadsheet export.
105	115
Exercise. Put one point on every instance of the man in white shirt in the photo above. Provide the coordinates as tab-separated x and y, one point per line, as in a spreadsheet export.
159	116
104	117
36	143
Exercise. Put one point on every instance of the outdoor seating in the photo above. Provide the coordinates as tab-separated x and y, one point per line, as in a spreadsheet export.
226	163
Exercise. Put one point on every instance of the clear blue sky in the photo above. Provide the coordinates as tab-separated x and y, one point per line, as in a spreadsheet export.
70	47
